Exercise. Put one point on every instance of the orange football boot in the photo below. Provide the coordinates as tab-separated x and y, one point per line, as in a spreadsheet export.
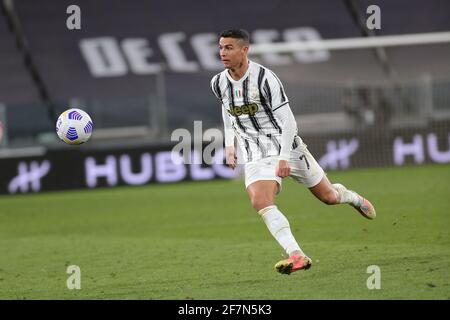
294	263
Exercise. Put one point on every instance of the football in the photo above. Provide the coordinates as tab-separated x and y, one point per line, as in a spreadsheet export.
74	126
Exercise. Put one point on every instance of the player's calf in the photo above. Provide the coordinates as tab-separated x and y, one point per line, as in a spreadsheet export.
330	197
325	192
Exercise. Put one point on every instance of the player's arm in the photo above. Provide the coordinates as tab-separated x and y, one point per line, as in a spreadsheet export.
289	126
230	152
280	106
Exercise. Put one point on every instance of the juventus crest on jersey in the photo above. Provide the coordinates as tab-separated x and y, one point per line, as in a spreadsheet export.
250	103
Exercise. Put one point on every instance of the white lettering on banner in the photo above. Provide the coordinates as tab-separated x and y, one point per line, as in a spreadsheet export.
197	171
306	34
103	57
29	176
95	171
176	59
338	155
272	58
137	51
106	58
205	46
417	149
131	178
402	149
433	149
167	170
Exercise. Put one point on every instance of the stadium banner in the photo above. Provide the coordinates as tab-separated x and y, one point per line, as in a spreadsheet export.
81	168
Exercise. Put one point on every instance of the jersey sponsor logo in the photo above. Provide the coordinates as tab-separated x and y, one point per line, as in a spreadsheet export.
249	109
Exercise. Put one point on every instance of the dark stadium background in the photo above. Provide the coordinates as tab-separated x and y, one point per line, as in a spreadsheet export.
364	103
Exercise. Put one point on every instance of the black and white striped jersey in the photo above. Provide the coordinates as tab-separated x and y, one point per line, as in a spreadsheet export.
251	104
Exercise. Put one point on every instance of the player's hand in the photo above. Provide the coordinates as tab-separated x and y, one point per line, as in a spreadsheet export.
283	170
230	156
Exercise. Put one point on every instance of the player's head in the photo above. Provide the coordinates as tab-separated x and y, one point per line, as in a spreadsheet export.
233	46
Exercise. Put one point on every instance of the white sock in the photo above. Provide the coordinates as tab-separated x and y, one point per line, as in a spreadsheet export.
347	196
279	227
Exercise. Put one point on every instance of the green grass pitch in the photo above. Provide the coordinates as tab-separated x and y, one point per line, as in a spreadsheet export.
202	240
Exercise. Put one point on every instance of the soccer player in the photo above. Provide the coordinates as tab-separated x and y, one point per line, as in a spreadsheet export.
256	113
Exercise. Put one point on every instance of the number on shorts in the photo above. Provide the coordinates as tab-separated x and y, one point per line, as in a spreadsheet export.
306	160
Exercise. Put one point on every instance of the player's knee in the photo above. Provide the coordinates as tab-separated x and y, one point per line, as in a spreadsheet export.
259	203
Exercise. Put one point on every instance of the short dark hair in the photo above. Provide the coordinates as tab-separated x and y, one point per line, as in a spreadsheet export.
239	34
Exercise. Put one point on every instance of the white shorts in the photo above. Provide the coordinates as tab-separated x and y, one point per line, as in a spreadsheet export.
304	169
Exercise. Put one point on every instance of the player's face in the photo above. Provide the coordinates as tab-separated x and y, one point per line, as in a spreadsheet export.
232	53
